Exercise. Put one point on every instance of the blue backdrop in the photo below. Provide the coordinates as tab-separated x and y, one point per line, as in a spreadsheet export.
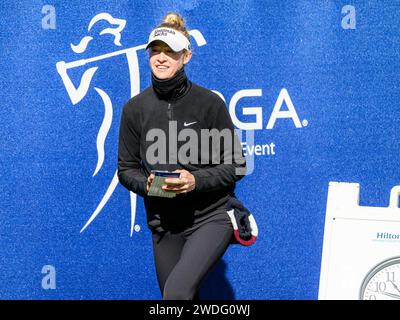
334	63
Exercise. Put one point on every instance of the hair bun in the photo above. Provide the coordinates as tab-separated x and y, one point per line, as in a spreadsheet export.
175	19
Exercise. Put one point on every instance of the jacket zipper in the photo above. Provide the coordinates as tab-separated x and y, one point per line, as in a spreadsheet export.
169	112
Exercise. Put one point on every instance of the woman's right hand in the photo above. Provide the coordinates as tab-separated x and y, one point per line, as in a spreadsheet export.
149	182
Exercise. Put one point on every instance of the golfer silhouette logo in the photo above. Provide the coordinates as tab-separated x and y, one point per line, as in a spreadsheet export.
77	93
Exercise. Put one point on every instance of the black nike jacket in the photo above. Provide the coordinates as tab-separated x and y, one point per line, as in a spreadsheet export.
145	118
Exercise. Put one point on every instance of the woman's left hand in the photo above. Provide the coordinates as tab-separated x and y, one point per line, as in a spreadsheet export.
185	183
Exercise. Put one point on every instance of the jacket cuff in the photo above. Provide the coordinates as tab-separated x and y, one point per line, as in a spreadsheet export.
199	184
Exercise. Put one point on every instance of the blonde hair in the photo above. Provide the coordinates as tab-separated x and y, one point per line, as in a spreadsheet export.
175	21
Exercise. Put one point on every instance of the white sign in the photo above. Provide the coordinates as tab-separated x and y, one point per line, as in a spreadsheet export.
361	249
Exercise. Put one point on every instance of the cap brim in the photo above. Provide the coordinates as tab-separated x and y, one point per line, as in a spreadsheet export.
169	42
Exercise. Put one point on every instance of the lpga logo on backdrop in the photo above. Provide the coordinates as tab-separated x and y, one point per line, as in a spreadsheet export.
77	93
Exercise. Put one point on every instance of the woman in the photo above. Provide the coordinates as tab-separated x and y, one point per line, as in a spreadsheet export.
192	230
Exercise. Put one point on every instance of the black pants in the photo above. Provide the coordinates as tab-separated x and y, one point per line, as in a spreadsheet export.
184	259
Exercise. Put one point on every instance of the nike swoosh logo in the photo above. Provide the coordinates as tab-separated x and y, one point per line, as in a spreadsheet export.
189	124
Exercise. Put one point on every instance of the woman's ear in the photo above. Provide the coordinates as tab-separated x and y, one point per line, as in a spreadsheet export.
187	56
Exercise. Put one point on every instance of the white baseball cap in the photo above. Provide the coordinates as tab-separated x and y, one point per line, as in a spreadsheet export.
173	38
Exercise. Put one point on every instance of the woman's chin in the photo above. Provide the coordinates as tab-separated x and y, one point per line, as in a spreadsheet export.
162	75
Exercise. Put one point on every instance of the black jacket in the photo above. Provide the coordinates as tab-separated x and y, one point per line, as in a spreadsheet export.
198	108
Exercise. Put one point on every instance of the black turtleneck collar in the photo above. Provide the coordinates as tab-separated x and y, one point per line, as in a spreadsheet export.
172	88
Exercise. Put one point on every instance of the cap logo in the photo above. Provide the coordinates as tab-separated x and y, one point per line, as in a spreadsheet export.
163	32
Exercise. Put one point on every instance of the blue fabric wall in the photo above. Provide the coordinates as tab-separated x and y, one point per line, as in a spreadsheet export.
338	64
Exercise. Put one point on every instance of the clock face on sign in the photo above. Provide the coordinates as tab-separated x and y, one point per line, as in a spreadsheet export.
382	282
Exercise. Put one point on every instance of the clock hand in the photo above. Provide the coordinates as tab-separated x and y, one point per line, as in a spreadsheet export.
396	287
396	296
